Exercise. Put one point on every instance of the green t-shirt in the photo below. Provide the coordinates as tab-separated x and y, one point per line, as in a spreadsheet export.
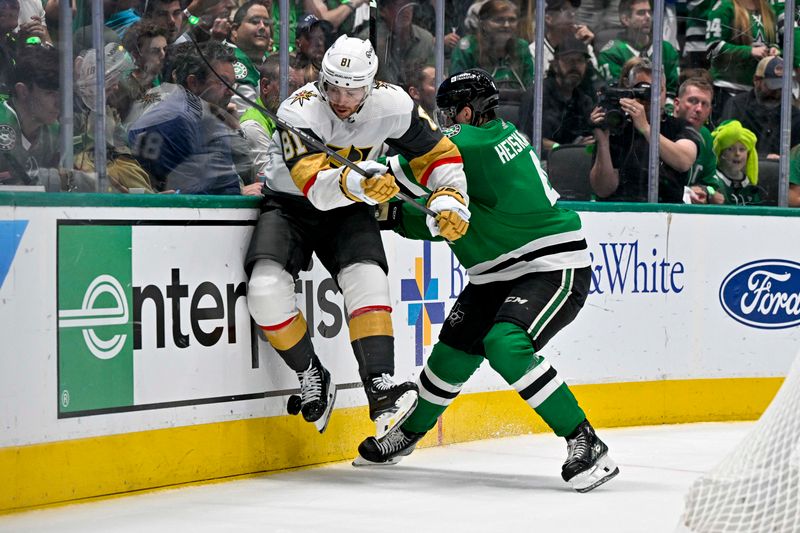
20	157
347	25
704	169
618	51
732	64
512	206
295	11
794	165
508	72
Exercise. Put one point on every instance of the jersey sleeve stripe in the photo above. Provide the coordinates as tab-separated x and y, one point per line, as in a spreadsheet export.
444	153
436	164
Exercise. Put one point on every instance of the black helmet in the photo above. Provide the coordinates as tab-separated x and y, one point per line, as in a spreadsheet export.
474	88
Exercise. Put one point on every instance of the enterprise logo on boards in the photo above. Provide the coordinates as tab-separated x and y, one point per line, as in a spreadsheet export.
763	294
88	316
136	315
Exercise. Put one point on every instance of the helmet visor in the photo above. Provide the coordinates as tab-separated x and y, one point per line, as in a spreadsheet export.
446	116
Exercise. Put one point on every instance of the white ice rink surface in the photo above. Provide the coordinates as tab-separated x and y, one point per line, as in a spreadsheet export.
502	485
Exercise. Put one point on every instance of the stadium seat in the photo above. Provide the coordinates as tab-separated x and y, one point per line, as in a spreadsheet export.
768	177
568	169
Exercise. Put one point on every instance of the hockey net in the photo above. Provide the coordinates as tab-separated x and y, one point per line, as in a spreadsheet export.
756	488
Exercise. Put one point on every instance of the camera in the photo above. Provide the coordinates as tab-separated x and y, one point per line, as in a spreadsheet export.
608	99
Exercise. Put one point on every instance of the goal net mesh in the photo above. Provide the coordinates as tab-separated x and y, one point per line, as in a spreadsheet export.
756	488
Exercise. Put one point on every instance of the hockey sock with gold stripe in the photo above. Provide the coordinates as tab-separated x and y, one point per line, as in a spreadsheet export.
372	339
292	342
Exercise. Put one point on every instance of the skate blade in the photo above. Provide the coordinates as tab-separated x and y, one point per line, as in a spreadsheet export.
601	472
404	405
360	461
322	423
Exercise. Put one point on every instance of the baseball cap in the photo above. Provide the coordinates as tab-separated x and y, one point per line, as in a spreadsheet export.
771	70
571	45
307	23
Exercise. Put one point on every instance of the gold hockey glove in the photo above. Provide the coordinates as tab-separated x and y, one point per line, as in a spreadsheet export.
378	188
452	215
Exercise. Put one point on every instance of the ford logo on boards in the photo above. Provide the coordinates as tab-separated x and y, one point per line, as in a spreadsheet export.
763	294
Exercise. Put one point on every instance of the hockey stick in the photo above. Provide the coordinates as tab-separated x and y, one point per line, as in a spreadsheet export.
306	138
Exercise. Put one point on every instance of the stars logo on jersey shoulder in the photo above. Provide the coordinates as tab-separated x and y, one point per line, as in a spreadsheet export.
452	131
8	137
302	96
239	70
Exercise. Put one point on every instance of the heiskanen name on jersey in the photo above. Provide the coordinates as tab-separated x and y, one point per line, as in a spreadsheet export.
515	228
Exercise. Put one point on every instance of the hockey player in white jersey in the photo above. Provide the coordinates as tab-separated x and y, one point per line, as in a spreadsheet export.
312	204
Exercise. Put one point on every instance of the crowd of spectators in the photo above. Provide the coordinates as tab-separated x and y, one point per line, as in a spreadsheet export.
172	125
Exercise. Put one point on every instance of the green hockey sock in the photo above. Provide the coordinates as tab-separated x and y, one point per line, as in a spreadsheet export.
510	352
445	373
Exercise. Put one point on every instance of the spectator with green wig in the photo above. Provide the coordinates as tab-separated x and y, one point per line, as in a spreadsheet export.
737	163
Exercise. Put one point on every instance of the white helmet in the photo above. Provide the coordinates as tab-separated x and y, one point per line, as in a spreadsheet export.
348	63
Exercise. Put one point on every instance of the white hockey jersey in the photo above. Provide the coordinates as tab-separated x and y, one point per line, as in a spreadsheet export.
388	115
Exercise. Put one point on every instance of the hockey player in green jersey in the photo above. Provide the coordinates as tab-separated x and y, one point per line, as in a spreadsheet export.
528	264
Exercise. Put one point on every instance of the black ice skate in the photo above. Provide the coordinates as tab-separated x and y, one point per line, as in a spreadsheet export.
316	398
388	450
588	464
390	403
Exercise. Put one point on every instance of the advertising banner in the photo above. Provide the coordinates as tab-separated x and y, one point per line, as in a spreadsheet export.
121	320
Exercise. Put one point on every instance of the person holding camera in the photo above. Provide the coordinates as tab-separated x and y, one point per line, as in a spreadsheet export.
619	169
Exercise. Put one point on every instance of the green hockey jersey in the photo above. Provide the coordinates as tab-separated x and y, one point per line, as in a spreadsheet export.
732	63
616	52
245	70
704	169
515	226
21	159
508	73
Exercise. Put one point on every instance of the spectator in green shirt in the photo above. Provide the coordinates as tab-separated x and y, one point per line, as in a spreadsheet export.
693	104
496	48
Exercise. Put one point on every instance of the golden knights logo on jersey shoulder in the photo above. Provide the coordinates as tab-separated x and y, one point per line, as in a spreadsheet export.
351	153
384	85
302	96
